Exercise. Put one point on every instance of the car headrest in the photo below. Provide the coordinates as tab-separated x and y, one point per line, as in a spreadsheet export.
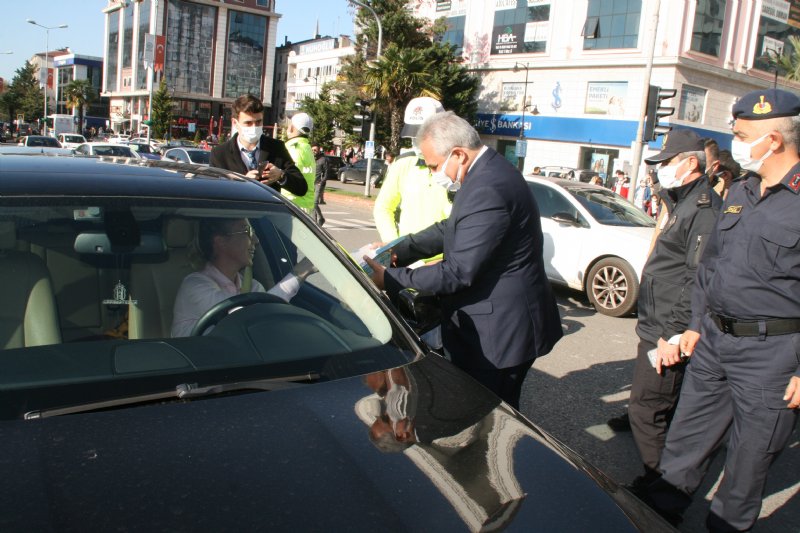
8	235
179	232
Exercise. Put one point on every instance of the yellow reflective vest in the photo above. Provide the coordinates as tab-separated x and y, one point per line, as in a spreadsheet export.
300	150
408	186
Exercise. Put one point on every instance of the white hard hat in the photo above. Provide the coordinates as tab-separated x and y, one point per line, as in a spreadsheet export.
417	111
303	123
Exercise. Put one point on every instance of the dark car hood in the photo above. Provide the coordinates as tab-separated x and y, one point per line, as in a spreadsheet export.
303	459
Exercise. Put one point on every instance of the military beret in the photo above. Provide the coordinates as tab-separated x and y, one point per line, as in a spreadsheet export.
765	104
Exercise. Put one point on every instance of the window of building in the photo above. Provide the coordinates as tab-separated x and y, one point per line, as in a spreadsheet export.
144	29
520	26
693	101
244	65
612	24
455	32
262	3
113	51
127	36
774	30
709	19
190	31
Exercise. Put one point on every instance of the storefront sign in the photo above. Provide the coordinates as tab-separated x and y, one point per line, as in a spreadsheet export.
606	98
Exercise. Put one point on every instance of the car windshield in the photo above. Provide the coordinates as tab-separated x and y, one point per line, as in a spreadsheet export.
74	139
43	141
143	148
200	156
609	209
112	297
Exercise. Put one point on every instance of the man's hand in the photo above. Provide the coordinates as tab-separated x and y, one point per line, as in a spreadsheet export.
667	355
793	393
689	341
377	272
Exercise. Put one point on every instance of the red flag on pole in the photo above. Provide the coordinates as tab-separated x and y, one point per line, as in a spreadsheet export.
158	63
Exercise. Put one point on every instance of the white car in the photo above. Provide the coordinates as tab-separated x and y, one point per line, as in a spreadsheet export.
107	149
594	241
71	140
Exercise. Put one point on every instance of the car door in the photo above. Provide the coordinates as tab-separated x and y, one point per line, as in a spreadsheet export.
563	241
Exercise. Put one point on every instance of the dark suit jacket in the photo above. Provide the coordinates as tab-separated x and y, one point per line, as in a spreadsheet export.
498	307
228	156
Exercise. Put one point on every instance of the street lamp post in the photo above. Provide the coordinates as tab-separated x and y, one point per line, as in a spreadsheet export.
46	63
372	124
521	159
315	84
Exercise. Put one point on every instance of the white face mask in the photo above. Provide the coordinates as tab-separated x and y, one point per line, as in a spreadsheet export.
742	153
440	178
250	134
667	176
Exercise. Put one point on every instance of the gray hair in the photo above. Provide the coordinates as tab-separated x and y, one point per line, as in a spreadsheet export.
699	154
446	131
789	128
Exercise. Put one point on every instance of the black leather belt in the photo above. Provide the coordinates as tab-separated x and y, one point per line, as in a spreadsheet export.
756	328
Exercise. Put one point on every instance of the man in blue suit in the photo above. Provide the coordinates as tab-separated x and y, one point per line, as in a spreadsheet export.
499	312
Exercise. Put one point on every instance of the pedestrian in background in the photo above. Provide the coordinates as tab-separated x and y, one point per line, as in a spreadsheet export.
742	387
498	310
323	169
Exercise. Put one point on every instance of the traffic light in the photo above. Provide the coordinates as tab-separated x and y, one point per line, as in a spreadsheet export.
655	111
364	118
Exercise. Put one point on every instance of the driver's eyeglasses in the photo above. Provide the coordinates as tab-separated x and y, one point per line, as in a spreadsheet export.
249	231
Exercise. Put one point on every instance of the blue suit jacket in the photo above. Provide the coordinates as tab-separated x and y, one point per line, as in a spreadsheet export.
498	307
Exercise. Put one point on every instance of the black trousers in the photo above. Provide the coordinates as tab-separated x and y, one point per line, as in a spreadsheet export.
652	404
505	382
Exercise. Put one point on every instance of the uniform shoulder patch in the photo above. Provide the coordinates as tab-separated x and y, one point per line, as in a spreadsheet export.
733	209
794	183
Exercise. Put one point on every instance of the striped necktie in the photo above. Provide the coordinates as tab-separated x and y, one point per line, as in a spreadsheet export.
252	156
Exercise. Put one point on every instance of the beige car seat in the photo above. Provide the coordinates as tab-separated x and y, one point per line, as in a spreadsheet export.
28	316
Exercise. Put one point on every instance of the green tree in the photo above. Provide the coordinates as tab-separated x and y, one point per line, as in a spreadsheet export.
24	95
789	61
162	111
332	109
79	94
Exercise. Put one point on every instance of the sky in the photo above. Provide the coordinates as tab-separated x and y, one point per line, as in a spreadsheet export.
86	24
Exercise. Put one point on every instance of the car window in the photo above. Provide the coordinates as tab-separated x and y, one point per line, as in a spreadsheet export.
608	208
107	277
552	201
74	139
83	149
116	151
201	157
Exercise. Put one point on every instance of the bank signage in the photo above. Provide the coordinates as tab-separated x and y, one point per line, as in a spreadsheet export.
492	124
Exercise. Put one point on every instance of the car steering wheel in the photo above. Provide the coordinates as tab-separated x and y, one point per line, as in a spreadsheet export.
221	310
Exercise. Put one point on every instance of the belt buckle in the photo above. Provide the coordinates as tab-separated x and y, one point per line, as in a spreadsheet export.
726	324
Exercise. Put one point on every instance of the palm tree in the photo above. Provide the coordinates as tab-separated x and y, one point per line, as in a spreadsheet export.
79	93
399	75
787	62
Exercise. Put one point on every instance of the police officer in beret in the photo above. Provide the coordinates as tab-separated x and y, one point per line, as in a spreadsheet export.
742	386
665	292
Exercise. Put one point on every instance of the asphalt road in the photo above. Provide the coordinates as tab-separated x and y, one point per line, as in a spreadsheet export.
572	391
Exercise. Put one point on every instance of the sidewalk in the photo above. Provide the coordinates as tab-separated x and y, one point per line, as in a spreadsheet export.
342	193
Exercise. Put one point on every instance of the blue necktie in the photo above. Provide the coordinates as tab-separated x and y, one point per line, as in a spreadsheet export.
252	156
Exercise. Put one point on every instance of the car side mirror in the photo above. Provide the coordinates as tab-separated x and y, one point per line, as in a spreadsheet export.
566	218
420	309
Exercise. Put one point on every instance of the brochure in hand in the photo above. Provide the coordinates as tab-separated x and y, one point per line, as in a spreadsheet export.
382	255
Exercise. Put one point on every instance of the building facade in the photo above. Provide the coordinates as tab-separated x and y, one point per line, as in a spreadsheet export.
568	76
301	69
214	51
70	67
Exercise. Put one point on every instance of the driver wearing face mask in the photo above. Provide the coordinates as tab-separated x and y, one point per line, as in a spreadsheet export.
665	292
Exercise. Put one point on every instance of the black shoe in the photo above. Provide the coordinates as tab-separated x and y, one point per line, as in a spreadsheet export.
620	423
638	487
322	202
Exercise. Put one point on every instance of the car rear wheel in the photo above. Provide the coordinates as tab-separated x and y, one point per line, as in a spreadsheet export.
613	287
342	178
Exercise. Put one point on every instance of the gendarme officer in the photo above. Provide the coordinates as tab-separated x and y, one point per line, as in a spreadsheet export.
743	381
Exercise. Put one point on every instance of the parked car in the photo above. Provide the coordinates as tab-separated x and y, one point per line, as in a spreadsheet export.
71	140
357	171
144	150
177	143
15	149
107	149
594	241
120	138
569	173
198	156
39	140
326	410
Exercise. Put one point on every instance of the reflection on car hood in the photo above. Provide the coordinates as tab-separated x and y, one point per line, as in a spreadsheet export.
275	460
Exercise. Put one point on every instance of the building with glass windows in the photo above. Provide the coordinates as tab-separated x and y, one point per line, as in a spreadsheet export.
70	67
214	51
302	68
568	76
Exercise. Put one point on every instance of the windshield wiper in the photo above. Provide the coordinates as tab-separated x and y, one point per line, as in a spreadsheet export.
183	391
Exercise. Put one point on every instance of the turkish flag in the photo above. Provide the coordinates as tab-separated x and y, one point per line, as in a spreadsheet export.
158	64
49	78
